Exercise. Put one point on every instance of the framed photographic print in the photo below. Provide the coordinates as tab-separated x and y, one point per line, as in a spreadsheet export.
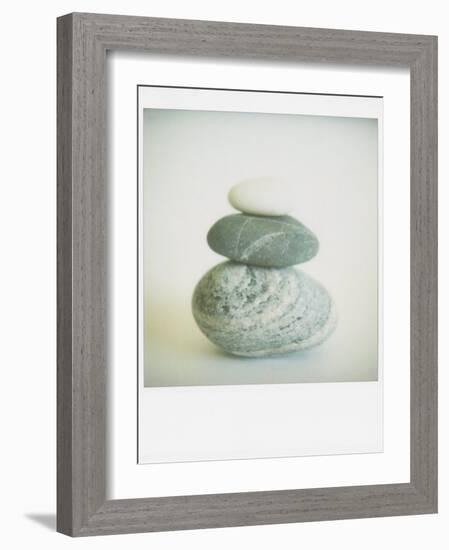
246	270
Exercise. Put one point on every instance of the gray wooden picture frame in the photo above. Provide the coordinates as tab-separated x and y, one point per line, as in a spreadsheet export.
83	40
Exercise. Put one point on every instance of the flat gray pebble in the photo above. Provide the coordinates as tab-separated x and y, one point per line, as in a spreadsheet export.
266	241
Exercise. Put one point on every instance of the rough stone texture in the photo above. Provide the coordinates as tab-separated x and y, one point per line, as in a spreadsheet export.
266	241
253	311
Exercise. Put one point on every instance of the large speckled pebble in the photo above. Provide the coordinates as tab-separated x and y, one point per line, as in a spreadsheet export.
277	241
254	312
261	196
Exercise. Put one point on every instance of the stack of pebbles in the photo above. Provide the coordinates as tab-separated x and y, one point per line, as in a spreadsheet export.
256	304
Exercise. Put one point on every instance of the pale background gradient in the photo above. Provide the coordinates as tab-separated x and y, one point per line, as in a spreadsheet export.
190	160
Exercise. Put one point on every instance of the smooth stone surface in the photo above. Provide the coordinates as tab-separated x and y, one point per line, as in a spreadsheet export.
254	312
278	241
261	196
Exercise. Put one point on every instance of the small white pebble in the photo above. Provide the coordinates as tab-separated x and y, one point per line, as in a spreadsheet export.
264	196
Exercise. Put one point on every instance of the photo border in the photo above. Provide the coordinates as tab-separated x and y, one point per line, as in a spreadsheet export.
147	438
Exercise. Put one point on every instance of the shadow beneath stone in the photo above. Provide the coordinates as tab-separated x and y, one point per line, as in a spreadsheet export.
178	354
46	520
274	359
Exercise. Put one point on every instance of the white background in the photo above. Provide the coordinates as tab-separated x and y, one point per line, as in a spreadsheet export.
27	220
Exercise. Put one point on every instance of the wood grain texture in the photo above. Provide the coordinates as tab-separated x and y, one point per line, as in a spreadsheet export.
64	277
83	40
